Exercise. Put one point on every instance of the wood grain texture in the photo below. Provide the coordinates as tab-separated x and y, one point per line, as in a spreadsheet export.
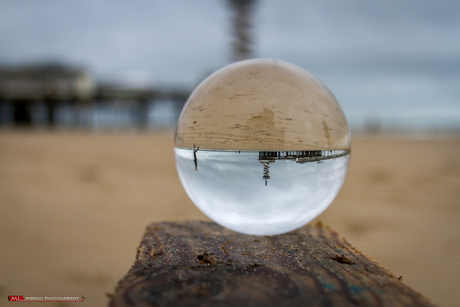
184	264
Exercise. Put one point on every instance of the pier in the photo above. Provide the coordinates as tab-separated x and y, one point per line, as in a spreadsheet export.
26	89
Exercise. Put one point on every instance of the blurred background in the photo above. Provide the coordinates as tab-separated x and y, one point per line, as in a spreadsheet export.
90	92
392	65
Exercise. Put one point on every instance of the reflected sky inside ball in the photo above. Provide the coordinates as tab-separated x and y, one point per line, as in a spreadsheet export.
228	187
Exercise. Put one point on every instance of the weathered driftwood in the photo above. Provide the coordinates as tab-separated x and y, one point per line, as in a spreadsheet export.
194	264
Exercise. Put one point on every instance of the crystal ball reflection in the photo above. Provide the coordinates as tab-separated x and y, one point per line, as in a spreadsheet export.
262	147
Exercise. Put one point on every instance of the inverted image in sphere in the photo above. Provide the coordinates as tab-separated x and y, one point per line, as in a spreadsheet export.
262	147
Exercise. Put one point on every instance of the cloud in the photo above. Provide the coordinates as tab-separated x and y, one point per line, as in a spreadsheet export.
347	44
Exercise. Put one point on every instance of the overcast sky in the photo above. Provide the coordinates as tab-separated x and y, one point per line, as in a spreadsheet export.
378	57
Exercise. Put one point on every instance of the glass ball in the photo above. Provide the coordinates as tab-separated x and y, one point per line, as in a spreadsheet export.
262	147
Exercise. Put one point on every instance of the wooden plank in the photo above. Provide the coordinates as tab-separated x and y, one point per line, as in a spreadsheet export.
199	263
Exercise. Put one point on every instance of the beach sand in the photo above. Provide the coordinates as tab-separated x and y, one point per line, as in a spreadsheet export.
74	206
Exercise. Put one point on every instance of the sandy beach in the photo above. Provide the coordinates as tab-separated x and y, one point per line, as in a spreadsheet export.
75	204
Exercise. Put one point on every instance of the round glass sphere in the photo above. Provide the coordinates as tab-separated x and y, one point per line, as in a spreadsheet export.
262	147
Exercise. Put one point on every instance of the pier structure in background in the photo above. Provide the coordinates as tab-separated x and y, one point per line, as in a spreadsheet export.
28	90
23	88
242	23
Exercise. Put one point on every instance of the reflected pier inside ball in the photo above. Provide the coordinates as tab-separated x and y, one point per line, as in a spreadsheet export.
245	123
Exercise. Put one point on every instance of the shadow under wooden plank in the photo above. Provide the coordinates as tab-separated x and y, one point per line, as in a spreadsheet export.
198	263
